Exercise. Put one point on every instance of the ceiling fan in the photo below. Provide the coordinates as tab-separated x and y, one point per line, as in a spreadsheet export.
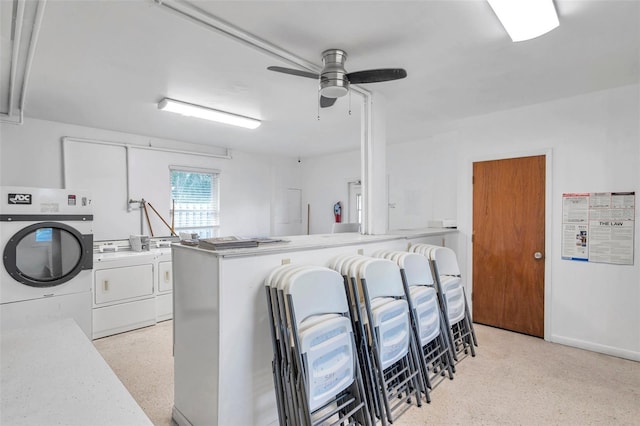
335	80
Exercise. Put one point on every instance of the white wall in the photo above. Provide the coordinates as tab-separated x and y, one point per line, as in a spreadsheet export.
325	181
31	155
594	145
422	186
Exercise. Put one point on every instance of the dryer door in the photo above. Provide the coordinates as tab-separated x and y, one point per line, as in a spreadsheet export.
47	254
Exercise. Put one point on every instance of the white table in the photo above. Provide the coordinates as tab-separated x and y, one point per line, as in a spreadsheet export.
52	375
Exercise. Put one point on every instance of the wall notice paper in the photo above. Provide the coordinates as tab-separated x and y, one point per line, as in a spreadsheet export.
598	227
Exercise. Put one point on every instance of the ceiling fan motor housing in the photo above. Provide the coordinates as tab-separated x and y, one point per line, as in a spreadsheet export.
333	80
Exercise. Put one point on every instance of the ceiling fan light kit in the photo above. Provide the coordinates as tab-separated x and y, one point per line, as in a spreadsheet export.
525	19
334	81
193	110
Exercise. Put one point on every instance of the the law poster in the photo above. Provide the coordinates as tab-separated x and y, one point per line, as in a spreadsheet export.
598	227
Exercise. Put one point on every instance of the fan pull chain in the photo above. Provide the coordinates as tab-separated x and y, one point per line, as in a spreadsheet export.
318	104
349	102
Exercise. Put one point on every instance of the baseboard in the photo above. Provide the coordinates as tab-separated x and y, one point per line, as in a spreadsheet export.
594	347
178	418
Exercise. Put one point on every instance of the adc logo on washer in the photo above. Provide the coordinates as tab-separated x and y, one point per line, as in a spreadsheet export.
19	198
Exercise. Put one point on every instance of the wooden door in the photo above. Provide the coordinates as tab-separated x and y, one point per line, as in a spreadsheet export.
508	244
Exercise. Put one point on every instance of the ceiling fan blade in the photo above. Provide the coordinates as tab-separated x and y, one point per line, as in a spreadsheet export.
327	102
295	72
376	76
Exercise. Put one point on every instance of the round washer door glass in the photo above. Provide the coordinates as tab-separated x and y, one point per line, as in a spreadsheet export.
44	254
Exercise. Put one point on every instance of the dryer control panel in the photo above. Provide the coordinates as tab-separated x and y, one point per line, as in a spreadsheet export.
17	200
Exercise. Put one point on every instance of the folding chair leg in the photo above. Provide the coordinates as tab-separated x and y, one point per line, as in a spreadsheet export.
468	315
445	333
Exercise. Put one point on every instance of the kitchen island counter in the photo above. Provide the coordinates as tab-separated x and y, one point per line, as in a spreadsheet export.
222	345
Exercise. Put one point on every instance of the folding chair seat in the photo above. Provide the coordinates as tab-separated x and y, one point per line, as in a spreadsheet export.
425	301
330	359
389	319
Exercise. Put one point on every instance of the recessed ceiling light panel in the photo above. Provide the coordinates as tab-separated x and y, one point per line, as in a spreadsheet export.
526	19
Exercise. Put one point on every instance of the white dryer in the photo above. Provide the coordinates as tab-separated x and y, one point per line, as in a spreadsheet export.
47	244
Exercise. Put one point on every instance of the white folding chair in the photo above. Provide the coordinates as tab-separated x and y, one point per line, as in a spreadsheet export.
388	331
429	325
283	377
348	266
452	297
316	371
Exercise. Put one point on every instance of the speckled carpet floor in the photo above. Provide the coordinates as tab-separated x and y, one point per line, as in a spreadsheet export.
513	380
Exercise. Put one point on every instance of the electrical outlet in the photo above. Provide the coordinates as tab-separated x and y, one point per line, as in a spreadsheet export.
286	261
360	251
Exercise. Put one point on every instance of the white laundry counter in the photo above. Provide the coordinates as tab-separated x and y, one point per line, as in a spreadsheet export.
222	345
52	375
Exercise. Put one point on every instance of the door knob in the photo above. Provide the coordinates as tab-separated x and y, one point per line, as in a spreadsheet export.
537	255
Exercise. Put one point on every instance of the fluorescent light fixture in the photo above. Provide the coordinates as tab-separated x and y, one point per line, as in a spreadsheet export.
526	19
192	110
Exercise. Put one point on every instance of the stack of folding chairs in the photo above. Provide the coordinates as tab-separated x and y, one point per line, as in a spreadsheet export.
386	346
316	371
452	298
428	324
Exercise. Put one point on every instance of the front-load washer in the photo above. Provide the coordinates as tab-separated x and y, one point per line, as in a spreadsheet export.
46	239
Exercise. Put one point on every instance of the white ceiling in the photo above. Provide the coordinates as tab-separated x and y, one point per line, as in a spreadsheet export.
106	64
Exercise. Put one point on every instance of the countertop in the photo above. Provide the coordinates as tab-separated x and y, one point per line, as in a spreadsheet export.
315	241
52	375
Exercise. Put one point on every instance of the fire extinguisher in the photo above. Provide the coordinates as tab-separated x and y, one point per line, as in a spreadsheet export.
337	211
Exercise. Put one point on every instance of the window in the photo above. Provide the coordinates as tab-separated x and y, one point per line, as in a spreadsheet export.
195	197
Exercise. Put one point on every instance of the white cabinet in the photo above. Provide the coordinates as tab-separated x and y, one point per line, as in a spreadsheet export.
123	292
164	296
127	283
165	277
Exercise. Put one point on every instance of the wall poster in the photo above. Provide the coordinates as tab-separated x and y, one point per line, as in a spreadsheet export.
598	227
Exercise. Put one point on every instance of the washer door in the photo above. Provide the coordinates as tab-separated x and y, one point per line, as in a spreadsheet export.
47	254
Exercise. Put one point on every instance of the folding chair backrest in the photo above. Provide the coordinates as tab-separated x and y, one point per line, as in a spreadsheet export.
316	291
380	253
422	249
337	262
270	281
416	269
382	277
349	267
446	260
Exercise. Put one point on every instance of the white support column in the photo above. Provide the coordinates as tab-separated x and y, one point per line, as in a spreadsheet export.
373	153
